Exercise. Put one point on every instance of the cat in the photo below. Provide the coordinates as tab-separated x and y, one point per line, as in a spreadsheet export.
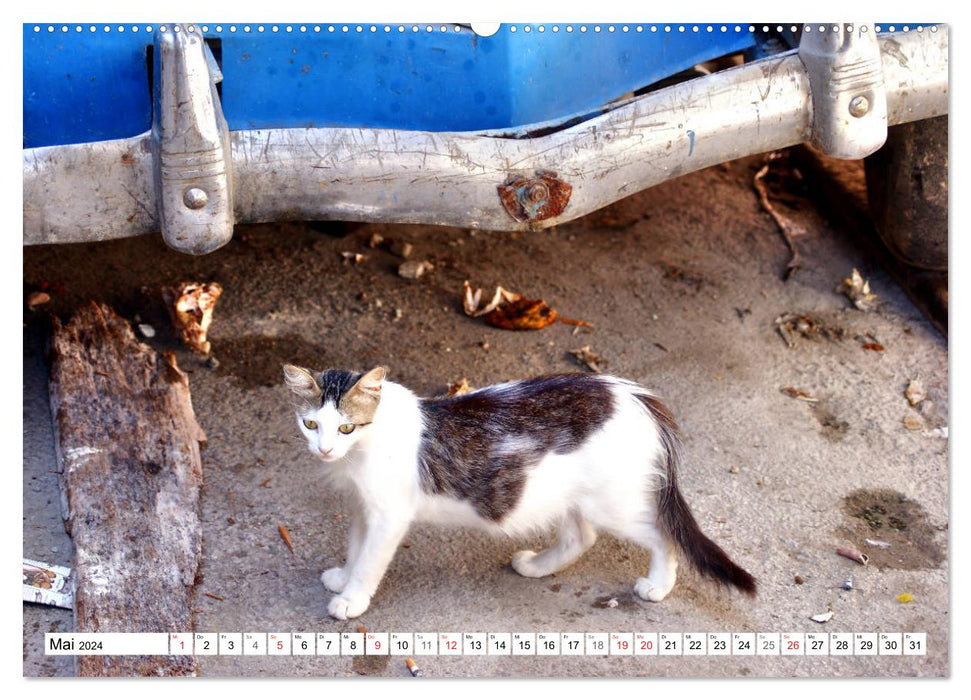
579	451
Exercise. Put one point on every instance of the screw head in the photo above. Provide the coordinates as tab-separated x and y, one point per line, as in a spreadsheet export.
859	106
537	193
195	198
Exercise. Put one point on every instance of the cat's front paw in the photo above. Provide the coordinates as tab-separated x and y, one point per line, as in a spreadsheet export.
522	564
648	590
345	607
334	579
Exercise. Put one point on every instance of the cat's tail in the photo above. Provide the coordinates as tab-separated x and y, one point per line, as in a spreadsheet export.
675	515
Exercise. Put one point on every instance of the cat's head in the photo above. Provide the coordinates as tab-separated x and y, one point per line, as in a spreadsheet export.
334	408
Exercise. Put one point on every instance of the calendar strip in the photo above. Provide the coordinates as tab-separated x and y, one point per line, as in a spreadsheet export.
488	644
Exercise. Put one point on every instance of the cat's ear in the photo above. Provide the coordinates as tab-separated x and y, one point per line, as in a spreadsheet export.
361	400
301	382
370	383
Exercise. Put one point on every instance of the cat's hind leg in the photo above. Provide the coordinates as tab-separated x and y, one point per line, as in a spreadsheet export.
663	571
574	537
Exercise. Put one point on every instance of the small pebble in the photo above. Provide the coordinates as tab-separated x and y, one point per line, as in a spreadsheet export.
799	579
913	422
146	330
35	299
402	249
412	269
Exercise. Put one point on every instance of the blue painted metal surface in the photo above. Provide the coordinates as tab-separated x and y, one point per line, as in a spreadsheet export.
91	86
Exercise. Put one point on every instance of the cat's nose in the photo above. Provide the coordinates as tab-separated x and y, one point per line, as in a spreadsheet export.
325	453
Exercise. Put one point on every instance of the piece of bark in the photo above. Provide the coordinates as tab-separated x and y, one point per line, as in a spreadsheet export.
127	445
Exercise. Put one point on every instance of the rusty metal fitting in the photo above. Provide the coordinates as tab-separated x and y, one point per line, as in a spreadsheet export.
538	198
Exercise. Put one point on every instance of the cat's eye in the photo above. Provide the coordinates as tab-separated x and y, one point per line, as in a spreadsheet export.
310	424
347	428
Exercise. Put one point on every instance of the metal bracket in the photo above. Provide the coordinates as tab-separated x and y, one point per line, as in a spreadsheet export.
190	138
848	95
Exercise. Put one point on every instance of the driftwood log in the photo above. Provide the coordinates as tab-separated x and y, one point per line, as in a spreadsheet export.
127	445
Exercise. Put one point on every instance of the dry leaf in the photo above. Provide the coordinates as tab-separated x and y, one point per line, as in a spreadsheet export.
285	536
857	290
459	387
588	357
191	307
915	392
798	394
913	422
512	311
522	315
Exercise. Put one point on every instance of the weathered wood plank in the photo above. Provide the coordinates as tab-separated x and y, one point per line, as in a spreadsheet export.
127	445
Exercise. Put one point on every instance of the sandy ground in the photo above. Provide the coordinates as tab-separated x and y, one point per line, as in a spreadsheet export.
791	452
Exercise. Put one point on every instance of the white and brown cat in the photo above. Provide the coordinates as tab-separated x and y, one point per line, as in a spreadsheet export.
579	452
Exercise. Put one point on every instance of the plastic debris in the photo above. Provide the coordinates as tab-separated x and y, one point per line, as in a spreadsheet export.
858	557
857	290
48	584
878	543
612	603
191	307
822	617
848	584
905	598
936	432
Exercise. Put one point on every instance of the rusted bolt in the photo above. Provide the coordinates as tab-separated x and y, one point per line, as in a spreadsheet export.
530	199
859	106
195	198
537	193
